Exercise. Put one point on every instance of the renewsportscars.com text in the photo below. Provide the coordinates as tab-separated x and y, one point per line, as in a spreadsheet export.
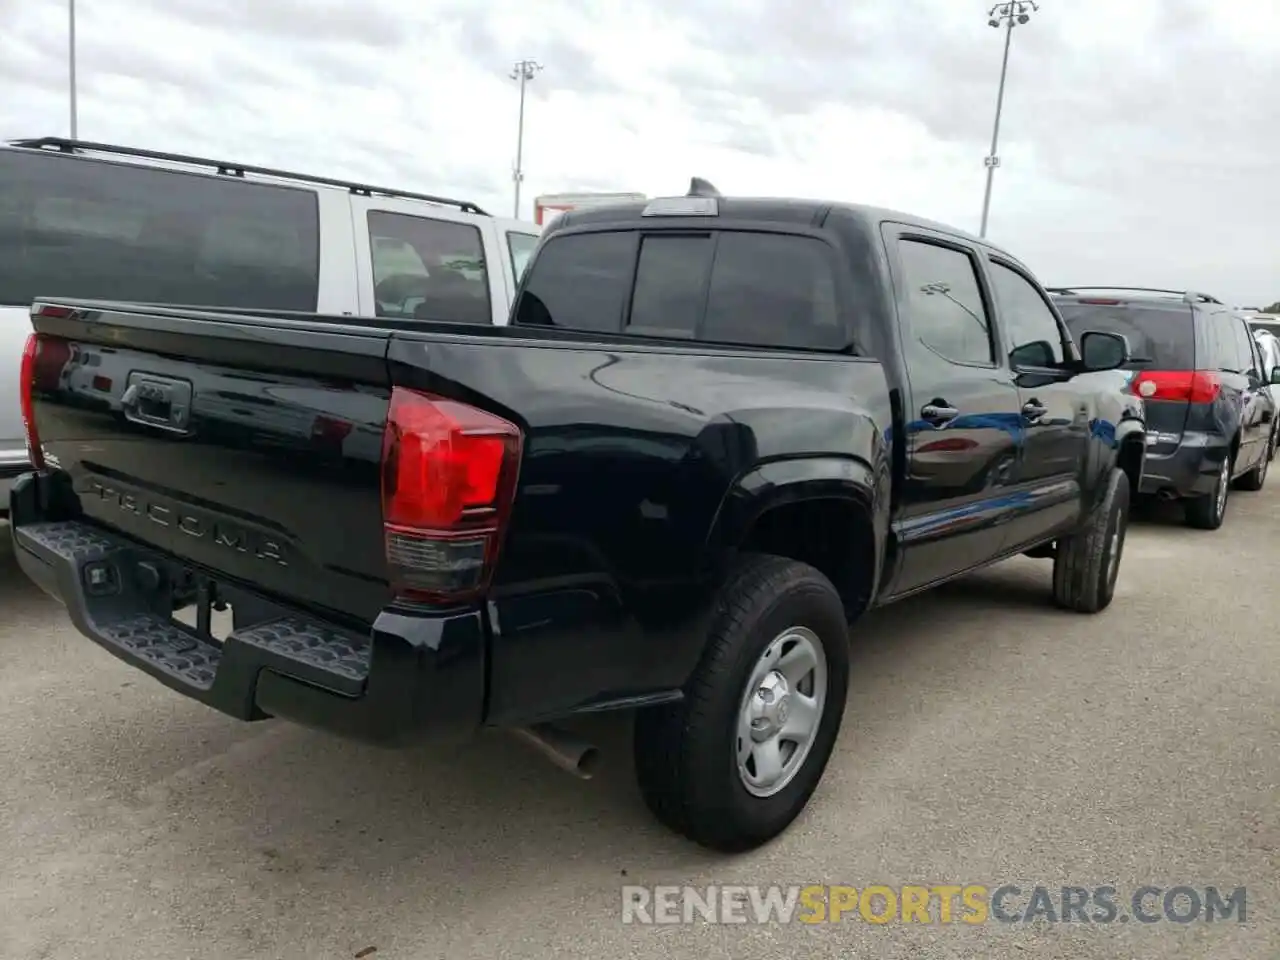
936	903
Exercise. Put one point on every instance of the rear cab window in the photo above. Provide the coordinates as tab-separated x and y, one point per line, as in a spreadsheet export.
735	287
1161	335
93	229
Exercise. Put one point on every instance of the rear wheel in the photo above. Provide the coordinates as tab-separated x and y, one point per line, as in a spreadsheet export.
1208	512
732	764
1087	563
1255	478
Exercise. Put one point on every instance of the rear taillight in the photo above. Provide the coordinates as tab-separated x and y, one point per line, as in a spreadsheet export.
43	360
1188	386
448	483
27	380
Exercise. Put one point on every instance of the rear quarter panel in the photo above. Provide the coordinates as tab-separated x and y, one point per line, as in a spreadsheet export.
606	576
1117	416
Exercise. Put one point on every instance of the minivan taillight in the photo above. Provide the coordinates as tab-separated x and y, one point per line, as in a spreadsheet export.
1187	386
43	359
448	483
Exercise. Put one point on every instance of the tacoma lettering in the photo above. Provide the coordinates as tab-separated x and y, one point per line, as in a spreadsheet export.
224	535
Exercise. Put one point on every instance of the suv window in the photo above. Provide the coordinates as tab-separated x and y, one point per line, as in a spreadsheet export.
1224	349
1247	359
92	229
1160	336
579	282
521	246
1029	323
944	302
428	269
1270	349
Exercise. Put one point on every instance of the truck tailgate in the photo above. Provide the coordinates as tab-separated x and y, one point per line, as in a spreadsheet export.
245	446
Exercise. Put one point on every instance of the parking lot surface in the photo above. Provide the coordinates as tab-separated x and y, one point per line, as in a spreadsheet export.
988	739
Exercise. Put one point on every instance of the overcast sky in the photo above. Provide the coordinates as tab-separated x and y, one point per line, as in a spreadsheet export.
1140	142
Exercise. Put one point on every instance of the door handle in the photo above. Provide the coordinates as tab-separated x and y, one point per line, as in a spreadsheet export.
1033	410
938	412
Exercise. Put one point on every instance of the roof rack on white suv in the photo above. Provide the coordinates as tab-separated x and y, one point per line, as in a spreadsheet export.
1188	296
63	145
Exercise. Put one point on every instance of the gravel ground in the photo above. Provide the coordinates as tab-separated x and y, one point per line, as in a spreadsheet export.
988	739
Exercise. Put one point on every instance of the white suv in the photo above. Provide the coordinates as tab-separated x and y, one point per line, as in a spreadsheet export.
100	222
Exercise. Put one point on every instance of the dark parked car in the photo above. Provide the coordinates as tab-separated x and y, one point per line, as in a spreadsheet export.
1211	419
716	432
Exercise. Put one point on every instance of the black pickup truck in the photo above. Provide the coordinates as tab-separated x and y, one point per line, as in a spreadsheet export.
715	433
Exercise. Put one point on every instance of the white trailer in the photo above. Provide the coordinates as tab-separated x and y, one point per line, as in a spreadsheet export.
549	206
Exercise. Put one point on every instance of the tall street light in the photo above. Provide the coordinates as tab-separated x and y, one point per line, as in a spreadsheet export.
524	71
1014	13
71	36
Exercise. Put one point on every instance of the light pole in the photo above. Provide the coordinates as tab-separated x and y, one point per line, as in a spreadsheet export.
71	36
524	71
1011	14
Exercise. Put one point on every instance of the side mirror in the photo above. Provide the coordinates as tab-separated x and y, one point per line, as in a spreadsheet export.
1275	375
1037	353
1102	350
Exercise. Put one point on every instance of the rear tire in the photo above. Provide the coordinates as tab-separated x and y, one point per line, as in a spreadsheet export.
690	754
1255	478
1208	512
1088	562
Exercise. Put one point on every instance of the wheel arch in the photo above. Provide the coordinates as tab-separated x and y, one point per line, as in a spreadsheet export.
825	511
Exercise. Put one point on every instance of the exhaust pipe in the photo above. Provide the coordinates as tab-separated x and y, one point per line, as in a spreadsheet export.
562	748
1168	495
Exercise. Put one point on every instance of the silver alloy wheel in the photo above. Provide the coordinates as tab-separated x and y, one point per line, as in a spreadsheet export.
1224	482
781	711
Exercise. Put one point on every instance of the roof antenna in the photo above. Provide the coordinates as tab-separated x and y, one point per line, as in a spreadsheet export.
701	188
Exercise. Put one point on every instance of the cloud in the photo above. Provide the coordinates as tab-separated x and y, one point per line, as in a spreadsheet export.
1137	142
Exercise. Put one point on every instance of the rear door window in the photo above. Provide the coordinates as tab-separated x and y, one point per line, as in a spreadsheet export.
91	229
1160	336
428	269
945	308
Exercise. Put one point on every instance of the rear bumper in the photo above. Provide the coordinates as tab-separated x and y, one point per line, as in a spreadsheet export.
411	677
1189	470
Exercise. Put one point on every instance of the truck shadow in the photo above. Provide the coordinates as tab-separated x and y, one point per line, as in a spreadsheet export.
275	798
473	830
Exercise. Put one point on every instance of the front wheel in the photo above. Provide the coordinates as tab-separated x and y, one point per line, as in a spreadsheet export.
1088	562
734	763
